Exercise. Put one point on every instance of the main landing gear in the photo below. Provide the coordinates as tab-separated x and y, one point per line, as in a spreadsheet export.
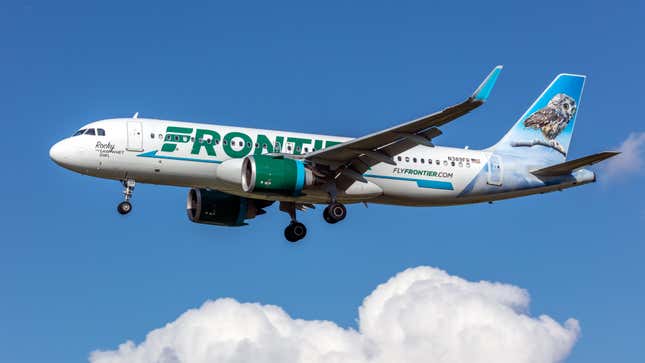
125	207
295	231
334	213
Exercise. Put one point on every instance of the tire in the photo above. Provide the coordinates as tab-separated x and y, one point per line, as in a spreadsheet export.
327	216
335	213
124	208
295	231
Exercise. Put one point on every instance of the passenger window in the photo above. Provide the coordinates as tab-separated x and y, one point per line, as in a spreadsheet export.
257	145
224	142
407	159
152	135
288	148
247	144
306	150
201	141
398	158
429	161
264	146
192	139
168	137
445	163
422	161
437	162
208	141
461	165
297	148
452	163
277	146
160	137
414	160
90	132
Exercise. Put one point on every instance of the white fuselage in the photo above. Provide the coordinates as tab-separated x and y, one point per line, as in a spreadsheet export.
190	154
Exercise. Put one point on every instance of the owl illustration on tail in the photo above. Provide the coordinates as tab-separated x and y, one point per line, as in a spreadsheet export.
551	120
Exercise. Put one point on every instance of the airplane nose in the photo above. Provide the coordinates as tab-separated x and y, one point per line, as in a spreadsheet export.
57	153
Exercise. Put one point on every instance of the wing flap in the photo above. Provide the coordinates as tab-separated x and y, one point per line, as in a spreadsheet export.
569	166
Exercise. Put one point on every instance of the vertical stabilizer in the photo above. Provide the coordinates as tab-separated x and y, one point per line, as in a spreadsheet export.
543	133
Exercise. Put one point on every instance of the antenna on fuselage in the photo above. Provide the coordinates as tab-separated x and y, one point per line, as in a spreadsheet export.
136	115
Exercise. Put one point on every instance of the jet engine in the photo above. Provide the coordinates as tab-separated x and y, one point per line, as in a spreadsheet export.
275	174
222	209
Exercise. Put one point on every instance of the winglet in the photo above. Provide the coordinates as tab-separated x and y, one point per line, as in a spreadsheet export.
483	91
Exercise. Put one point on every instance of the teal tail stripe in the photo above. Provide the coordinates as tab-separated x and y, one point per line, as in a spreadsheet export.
153	154
421	183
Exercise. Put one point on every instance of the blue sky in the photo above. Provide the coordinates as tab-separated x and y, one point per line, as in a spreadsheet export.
76	277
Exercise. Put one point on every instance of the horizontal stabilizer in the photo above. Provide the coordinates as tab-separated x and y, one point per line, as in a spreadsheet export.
569	166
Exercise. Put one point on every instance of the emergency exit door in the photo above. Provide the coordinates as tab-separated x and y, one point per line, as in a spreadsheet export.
495	170
135	136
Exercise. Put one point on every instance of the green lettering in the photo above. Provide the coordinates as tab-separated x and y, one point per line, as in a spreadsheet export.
200	141
180	130
297	144
318	144
168	147
264	140
332	143
228	148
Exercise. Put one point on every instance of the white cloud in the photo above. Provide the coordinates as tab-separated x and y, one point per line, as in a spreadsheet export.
632	157
420	315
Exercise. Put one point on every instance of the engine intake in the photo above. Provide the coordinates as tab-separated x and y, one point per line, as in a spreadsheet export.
222	209
275	174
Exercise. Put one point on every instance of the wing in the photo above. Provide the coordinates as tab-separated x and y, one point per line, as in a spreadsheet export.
354	157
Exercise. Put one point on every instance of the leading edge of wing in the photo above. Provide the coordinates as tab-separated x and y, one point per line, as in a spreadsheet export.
409	129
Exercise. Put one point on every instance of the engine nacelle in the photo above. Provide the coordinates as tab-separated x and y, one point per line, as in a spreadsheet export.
222	209
275	174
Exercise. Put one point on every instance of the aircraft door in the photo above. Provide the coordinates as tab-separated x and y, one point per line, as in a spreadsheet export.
495	170
135	136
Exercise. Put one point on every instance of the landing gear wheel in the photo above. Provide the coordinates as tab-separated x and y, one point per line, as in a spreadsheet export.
295	231
124	207
334	213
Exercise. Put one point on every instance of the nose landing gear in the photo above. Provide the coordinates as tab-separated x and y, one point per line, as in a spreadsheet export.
125	207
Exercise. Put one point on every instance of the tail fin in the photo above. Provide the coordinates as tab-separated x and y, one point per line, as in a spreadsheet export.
543	133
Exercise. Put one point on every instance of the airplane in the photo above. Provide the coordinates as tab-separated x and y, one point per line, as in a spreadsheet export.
235	173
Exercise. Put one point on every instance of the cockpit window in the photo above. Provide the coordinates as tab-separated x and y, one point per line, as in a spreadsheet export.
79	132
101	132
90	132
